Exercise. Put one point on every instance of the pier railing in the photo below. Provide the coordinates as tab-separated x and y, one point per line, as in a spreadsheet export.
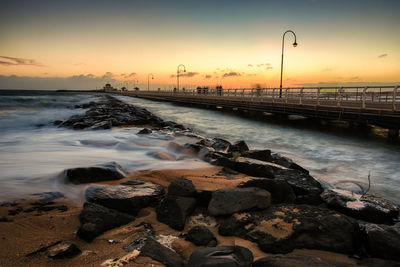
369	97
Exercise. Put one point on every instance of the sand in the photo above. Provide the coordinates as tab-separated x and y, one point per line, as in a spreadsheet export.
31	231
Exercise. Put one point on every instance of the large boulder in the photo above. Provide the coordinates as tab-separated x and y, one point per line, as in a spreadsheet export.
263	155
201	236
369	208
128	198
153	249
231	200
174	210
220	144
280	190
98	173
181	187
286	162
305	187
291	260
229	256
282	228
382	241
239	146
96	219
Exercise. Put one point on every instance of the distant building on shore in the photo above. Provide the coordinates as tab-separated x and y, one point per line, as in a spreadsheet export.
108	87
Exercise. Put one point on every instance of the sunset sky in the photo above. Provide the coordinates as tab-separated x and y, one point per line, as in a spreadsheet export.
83	44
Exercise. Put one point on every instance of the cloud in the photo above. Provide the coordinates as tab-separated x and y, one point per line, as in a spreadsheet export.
260	65
267	64
355	78
186	74
326	69
208	76
269	68
251	74
250	65
127	76
15	61
108	75
231	74
383	55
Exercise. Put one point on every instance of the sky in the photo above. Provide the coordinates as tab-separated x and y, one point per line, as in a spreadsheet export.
57	44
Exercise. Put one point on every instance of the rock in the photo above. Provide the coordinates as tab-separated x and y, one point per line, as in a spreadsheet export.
291	260
282	228
200	236
263	155
173	211
382	241
374	262
162	156
231	200
96	219
220	144
280	190
239	146
229	256
369	208
5	219
128	198
151	248
182	187
286	162
63	250
103	172
101	125
145	131
306	188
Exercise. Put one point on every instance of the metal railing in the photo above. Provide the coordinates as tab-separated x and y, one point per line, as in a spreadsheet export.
370	97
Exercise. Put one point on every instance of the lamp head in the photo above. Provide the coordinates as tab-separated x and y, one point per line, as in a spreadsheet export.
294	44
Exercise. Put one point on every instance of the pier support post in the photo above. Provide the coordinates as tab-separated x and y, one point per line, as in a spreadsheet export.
393	133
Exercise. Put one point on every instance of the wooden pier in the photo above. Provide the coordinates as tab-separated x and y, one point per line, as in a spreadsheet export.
378	105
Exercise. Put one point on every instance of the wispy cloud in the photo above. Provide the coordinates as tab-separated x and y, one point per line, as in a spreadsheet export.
15	61
250	65
383	55
208	76
326	69
231	74
260	65
269	68
355	78
186	74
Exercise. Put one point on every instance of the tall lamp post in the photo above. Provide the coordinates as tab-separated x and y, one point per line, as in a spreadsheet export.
148	81
177	74
283	45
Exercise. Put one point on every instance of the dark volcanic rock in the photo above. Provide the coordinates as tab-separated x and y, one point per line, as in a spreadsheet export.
103	172
200	236
96	219
220	144
145	131
63	250
291	260
239	146
286	162
181	187
282	228
369	208
280	190
383	241
263	155
231	200
151	248
126	198
230	256
306	188
173	211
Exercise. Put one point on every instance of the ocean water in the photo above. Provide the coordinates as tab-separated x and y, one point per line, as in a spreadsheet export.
33	152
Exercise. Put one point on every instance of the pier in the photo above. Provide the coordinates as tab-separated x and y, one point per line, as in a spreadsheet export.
377	105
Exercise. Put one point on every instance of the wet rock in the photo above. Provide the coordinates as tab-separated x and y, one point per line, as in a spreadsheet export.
15	211
374	262
103	172
174	210
280	190
5	219
263	155
182	187
96	219
162	156
231	200
291	260
239	146
101	125
382	241
145	131
200	236
128	198
232	256
369	208
63	250
306	188
282	228
220	144
286	162
149	247
47	197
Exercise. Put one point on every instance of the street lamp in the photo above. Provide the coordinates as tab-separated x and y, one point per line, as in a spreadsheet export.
283	45
148	81
177	74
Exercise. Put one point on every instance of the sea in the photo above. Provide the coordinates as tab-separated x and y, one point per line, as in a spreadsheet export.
34	152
